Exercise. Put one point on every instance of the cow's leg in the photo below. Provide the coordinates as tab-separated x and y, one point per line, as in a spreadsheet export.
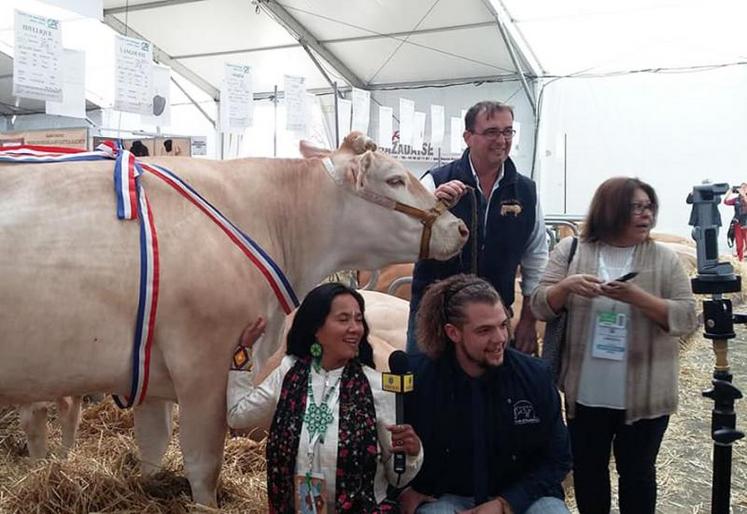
202	433
68	410
152	432
33	418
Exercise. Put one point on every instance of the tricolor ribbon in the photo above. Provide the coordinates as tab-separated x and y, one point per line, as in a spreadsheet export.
132	203
269	268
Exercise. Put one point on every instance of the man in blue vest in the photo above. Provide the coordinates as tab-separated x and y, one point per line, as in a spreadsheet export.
508	230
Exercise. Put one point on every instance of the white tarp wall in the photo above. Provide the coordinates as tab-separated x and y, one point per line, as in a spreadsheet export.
673	130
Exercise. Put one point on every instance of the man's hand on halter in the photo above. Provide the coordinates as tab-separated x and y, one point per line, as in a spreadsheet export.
450	192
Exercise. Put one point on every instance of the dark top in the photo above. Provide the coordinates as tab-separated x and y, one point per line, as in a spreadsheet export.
504	427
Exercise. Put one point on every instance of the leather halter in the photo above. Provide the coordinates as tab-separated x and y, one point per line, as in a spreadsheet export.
427	218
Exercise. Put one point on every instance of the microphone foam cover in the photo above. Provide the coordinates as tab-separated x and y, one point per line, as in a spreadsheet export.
399	363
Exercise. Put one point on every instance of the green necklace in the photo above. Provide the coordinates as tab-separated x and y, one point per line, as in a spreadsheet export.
318	417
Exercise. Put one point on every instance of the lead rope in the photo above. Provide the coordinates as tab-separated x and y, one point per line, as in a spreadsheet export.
473	230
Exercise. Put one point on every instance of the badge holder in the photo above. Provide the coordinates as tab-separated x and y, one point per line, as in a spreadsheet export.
310	494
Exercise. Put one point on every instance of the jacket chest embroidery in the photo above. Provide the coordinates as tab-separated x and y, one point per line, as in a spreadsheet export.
511	208
524	413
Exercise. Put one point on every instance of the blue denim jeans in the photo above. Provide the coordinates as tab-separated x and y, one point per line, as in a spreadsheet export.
449	504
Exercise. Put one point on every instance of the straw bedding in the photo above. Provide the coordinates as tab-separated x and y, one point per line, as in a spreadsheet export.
101	472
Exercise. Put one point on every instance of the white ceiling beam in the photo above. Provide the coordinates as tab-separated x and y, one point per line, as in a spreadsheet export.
164	58
266	95
307	40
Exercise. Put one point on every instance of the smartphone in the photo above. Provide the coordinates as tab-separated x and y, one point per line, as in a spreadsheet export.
626	277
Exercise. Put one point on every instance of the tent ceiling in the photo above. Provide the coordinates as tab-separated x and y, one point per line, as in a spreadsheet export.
589	36
379	43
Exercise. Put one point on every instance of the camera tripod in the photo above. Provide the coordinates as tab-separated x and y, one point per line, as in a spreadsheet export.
718	320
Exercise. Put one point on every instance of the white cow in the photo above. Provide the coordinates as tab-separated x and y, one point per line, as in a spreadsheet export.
69	272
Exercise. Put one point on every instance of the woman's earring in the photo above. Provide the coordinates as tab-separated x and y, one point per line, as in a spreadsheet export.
316	353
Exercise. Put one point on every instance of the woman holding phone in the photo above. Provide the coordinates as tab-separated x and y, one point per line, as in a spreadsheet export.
628	299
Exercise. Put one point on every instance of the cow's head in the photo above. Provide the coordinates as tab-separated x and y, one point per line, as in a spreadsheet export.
390	206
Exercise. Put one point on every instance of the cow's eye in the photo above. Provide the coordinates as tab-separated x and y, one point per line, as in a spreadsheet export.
396	181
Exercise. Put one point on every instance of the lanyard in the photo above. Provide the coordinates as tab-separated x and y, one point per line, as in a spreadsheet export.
315	434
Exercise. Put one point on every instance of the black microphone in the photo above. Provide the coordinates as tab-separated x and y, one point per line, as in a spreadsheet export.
399	381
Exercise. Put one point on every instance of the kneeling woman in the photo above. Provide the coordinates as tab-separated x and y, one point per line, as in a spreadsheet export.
333	432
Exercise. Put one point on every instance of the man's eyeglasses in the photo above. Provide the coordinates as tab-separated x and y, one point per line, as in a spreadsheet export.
638	208
493	133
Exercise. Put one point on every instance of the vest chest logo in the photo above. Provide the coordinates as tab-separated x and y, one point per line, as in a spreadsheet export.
511	208
524	413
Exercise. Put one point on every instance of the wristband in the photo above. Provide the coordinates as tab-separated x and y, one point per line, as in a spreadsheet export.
242	359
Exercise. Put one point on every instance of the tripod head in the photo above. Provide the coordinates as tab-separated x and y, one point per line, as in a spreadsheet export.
714	277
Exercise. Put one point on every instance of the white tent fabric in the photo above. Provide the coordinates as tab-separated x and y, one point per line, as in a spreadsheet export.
589	36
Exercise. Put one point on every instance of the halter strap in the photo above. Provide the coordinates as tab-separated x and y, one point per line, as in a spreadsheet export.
427	218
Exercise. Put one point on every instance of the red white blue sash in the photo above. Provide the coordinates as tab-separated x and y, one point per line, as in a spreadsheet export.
132	203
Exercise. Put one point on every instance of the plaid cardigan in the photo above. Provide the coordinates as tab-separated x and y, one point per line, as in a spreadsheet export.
653	359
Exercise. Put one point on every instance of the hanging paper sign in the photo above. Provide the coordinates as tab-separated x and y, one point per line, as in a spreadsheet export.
418	134
344	108
133	75
295	104
361	110
37	63
385	127
73	102
437	125
456	135
236	98
406	121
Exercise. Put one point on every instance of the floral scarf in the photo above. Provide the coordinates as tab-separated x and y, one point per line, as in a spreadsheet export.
356	449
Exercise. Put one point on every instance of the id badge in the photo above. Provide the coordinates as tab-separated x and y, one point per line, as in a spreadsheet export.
610	336
311	494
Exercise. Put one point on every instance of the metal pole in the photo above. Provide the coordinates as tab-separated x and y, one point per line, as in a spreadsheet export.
337	114
275	129
194	102
517	65
565	173
439	156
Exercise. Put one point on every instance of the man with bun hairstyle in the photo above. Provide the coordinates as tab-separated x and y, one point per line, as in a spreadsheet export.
488	415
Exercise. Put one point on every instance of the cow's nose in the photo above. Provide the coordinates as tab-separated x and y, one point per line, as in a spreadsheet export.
463	230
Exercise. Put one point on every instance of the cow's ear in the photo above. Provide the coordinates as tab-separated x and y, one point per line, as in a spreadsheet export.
309	151
365	162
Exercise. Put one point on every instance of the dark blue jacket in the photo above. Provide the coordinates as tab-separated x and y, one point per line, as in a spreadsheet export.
523	434
498	254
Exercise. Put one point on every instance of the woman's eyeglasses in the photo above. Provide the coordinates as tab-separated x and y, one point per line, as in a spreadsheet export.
638	208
